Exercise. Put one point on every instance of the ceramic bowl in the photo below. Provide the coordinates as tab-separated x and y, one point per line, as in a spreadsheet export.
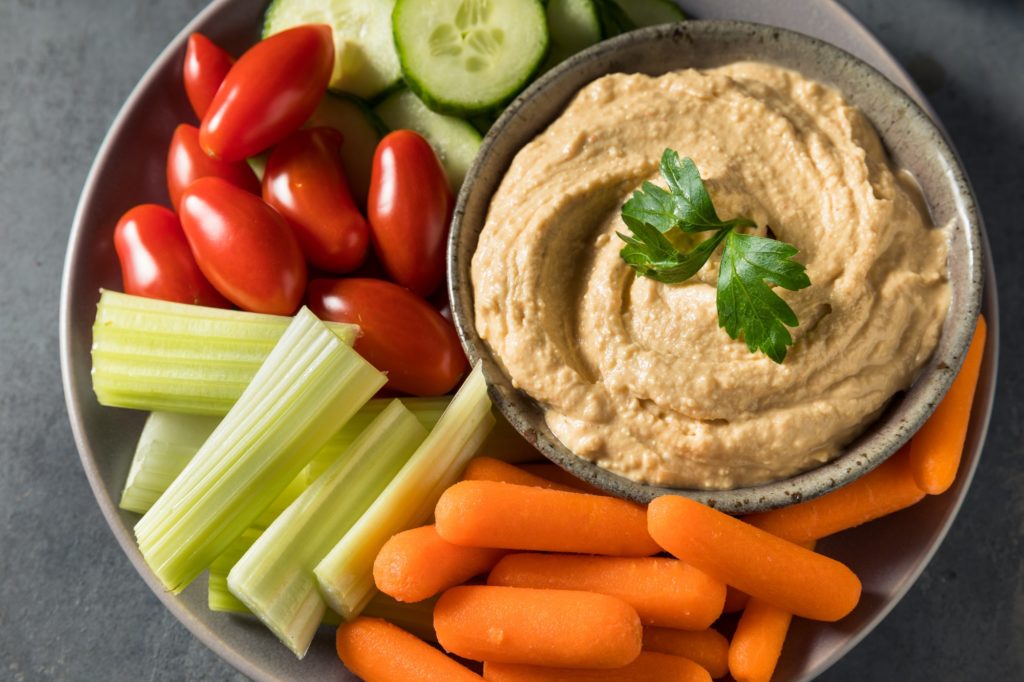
914	143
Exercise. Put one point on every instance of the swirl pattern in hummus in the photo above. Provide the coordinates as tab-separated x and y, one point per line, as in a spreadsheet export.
636	375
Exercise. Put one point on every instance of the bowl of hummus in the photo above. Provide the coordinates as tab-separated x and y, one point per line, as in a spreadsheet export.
632	383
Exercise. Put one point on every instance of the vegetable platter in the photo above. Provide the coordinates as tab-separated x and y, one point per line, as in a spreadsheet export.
128	172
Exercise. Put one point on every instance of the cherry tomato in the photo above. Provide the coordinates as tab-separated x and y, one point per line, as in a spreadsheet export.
305	181
270	91
186	162
243	246
401	333
156	261
205	66
409	208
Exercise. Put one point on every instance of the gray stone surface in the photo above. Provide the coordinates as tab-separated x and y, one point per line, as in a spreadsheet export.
71	606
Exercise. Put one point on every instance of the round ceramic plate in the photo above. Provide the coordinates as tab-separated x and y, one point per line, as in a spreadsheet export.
888	555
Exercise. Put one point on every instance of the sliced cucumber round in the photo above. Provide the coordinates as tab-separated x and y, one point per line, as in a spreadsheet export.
454	141
574	25
362	130
652	12
365	62
468	57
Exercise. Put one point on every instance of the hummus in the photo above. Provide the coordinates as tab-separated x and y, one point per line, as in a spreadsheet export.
636	375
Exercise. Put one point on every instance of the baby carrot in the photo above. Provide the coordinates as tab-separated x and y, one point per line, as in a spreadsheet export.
936	449
378	651
735	600
417	564
755	561
757	643
887	489
648	667
557	628
707	648
491	514
664	592
557	474
490	469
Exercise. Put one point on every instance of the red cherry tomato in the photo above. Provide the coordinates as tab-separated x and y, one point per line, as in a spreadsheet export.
270	91
205	66
401	334
305	181
243	246
409	208
187	162
156	261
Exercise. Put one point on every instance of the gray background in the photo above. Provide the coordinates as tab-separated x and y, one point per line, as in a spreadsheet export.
72	607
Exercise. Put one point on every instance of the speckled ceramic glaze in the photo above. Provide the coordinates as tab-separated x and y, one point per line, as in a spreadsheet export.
913	142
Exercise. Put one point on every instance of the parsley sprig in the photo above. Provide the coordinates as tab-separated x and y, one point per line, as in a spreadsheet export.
749	267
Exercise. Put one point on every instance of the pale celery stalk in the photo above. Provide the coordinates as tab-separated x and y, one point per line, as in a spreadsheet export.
156	355
274	578
426	410
346	573
170	439
310	384
167	443
417	618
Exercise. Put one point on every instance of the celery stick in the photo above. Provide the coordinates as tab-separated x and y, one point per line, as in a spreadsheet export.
310	384
167	443
170	439
416	618
426	410
275	577
346	573
219	598
156	355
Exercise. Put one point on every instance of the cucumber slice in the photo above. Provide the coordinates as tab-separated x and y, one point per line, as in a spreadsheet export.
613	19
652	12
574	25
454	141
365	63
469	57
362	129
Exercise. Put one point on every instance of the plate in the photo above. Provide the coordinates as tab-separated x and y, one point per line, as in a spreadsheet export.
888	555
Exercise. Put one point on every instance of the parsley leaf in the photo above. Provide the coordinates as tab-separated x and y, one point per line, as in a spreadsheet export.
745	302
750	265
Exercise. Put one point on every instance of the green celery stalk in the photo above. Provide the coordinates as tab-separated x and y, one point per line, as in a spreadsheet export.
310	384
160	356
426	410
274	579
346	573
417	618
167	443
170	439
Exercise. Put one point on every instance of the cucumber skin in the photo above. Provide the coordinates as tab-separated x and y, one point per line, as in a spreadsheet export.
453	109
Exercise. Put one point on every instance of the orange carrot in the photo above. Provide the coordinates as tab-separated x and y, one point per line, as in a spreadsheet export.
735	600
936	449
557	628
417	564
887	489
664	592
757	643
557	474
490	469
378	651
491	514
707	648
755	561
648	667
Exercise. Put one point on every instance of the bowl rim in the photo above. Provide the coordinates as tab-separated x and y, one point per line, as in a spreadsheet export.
878	442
